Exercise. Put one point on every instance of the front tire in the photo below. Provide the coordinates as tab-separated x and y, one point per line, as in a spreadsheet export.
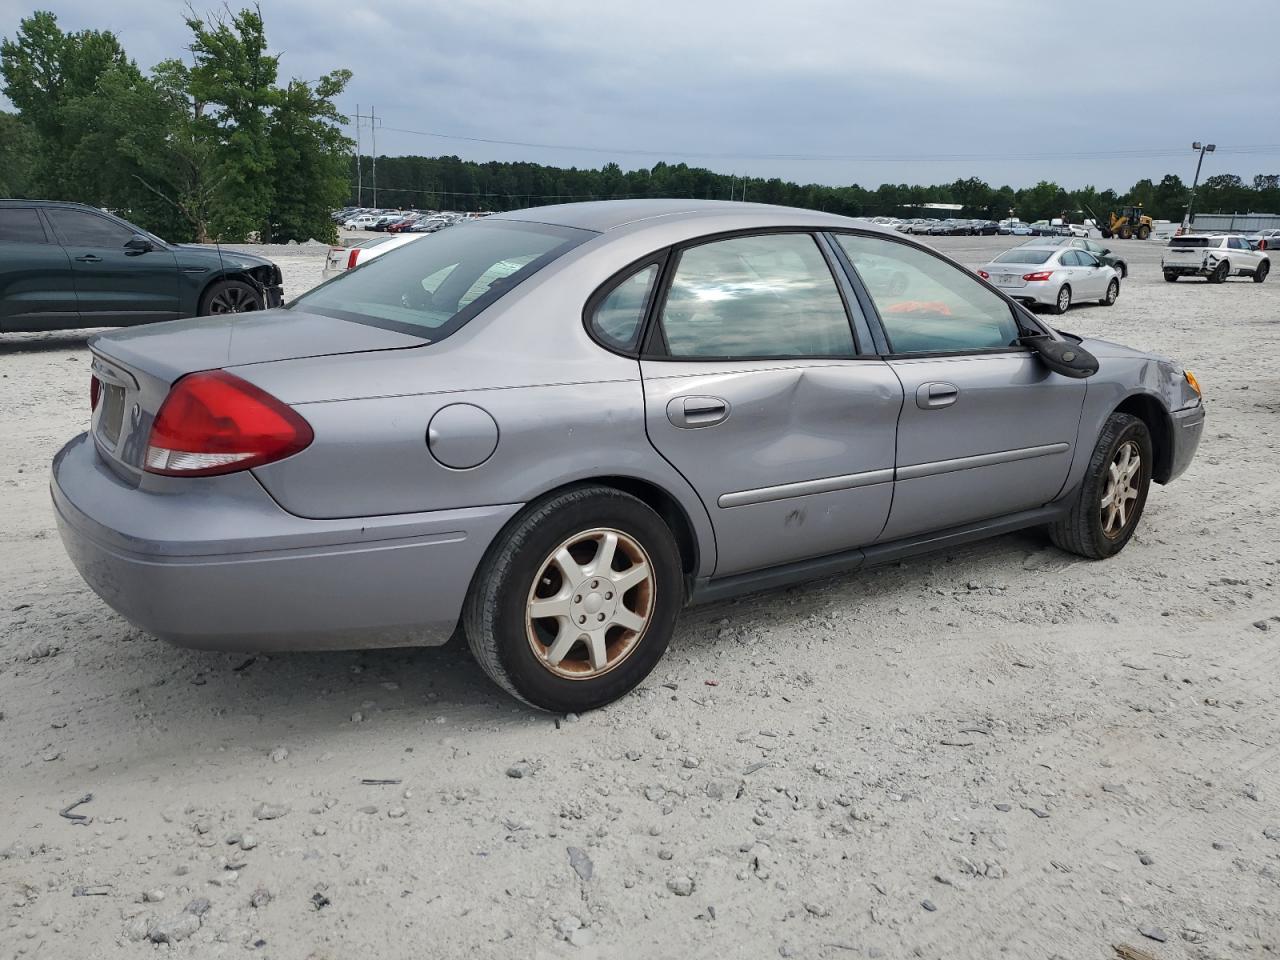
1063	303
230	296
576	601
1113	292
1144	232
1261	273
1113	493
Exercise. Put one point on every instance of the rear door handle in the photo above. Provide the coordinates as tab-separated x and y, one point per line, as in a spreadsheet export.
690	412
934	396
89	258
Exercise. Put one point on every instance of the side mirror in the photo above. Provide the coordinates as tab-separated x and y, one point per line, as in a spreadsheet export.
1063	356
139	244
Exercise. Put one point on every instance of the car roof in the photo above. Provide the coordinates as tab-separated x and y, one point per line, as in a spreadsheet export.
605	215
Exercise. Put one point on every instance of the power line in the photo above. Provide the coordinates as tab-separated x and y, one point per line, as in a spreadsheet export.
1150	153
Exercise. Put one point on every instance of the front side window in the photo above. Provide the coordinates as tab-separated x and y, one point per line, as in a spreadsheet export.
20	225
756	297
619	318
79	228
431	287
935	307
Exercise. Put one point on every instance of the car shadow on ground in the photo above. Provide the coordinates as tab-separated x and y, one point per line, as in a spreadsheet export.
14	343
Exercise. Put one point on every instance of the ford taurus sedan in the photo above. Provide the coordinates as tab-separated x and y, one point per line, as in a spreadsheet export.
552	429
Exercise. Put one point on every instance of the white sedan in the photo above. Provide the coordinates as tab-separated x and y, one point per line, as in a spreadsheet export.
341	259
1054	278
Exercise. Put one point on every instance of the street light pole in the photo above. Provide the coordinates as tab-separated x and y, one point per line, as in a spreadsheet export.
1203	148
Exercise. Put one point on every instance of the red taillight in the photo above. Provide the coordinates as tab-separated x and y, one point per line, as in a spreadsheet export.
352	257
984	275
1042	275
214	422
95	392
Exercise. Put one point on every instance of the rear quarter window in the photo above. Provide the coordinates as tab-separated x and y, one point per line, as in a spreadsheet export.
21	225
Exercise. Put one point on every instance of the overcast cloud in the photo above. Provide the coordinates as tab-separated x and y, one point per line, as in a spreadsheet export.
1003	90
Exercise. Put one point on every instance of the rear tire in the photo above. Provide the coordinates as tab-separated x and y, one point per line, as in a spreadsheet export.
1093	528
545	559
1220	273
1113	292
1126	233
1261	273
1063	303
1170	276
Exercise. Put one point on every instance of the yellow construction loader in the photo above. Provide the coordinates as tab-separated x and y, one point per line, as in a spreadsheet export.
1131	222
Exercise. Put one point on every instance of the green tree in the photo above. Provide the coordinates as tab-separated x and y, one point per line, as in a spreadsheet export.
17	156
308	147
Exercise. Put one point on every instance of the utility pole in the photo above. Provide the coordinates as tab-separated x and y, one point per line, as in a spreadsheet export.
1203	148
373	133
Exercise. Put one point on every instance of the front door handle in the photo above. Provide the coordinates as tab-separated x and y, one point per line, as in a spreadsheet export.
89	258
690	412
935	396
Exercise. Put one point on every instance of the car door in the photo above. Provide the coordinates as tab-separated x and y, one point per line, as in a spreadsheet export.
115	286
36	290
1093	277
986	429
757	392
1243	256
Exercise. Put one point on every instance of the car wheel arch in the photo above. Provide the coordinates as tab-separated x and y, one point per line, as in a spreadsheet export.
1152	412
259	277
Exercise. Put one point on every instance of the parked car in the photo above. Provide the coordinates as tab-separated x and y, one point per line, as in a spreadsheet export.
1052	277
1268	239
363	221
556	427
1215	257
921	226
341	259
65	266
1015	228
985	228
1103	253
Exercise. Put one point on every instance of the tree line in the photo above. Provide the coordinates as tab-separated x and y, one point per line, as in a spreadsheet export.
213	146
452	183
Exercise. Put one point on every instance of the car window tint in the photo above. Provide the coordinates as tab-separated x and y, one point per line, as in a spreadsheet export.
619	317
20	225
1027	255
432	286
934	306
758	296
1086	259
1070	259
80	229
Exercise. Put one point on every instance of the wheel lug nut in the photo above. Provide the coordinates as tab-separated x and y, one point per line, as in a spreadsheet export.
608	596
600	616
594	584
582	619
577	599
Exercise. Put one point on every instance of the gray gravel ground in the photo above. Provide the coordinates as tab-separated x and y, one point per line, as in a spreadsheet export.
998	750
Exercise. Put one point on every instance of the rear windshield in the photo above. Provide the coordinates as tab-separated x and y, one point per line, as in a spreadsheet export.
1025	255
1190	242
431	287
1047	242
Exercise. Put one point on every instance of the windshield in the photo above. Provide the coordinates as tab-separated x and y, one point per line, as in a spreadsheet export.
1025	255
431	287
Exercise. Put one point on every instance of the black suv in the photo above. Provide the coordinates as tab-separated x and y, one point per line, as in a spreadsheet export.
67	265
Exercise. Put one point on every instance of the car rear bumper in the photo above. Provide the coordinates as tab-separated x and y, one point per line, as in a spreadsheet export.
219	565
1038	294
1188	425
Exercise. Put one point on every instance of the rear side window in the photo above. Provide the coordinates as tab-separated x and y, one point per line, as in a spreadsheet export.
20	225
432	286
930	306
756	297
619	317
78	228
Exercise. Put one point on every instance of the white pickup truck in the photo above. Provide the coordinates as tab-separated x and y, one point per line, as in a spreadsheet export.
1216	256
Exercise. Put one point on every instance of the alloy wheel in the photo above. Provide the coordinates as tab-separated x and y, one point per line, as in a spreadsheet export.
1120	497
590	604
1064	300
233	299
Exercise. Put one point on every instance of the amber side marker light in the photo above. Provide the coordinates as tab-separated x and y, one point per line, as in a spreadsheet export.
1192	382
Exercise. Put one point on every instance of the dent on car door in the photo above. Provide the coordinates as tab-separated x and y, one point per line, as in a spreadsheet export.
36	292
115	286
986	429
754	393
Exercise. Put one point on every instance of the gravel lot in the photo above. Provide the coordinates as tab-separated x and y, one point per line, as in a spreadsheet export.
998	750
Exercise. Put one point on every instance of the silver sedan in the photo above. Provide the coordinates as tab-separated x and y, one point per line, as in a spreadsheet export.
1054	278
552	429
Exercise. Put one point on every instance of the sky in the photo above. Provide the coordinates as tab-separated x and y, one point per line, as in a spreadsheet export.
1081	92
